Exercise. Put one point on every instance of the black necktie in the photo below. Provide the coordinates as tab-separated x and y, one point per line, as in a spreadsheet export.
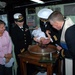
22	29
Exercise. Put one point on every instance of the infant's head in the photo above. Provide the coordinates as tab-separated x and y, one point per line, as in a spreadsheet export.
42	39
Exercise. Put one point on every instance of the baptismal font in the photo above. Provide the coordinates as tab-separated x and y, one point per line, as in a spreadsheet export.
41	49
45	52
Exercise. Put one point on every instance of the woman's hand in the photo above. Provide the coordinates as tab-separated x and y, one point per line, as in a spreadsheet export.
9	55
7	60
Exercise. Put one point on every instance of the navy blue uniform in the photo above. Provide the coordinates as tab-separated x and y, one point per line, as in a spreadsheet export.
21	39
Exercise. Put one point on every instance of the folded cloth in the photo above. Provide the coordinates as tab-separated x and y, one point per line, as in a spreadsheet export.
10	63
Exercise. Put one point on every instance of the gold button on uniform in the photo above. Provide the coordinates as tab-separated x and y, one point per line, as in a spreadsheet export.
24	34
24	37
25	43
25	40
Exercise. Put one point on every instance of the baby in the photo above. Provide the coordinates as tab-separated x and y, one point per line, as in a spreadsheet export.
39	35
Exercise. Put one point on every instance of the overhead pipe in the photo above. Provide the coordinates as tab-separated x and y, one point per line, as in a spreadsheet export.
37	3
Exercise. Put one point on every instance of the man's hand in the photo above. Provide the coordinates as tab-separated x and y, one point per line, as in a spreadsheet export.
58	47
48	33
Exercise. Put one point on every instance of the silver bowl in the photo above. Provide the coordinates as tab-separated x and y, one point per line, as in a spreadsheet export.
41	50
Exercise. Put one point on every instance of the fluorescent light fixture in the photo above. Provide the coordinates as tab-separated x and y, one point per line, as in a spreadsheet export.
38	1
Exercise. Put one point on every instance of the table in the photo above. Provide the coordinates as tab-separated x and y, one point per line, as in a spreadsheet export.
34	59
